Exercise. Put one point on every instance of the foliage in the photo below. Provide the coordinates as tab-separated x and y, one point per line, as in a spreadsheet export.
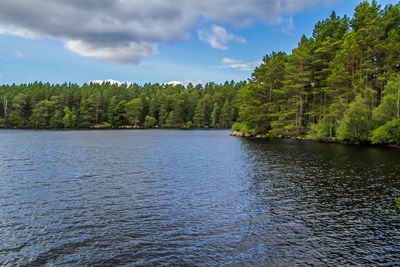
149	122
327	126
215	115
237	126
342	82
356	122
42	105
389	133
70	118
134	109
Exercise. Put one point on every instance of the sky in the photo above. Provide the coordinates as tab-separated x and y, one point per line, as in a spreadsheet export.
151	41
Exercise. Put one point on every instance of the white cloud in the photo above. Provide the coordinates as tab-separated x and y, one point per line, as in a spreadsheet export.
194	83
122	31
19	55
111	81
229	63
286	25
174	82
218	37
185	82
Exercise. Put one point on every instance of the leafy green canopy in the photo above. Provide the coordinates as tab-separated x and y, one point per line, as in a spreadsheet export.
41	105
343	82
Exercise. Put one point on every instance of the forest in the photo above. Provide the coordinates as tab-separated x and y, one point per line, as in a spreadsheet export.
341	83
95	105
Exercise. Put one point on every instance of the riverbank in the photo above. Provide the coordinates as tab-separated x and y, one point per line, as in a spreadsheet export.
305	137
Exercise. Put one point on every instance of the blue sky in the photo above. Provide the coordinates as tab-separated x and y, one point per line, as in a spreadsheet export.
150	41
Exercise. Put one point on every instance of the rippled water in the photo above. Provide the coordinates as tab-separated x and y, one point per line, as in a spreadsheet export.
166	197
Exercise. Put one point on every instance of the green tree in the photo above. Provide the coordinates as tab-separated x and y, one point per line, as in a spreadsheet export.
215	115
297	83
226	115
263	100
356	123
120	114
56	120
327	126
70	118
134	110
20	110
42	113
202	112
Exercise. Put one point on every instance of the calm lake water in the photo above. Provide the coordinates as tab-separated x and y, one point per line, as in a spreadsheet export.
170	197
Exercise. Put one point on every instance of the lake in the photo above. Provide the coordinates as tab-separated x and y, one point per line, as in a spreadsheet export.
195	197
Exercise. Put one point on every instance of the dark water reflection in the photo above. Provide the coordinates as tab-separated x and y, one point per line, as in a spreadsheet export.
169	197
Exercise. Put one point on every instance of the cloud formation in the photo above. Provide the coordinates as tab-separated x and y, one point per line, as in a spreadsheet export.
229	63
121	31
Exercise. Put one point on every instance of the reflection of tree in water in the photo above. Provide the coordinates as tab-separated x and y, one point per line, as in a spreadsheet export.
326	199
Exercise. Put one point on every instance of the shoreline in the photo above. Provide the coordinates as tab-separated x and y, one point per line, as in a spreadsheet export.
111	128
299	138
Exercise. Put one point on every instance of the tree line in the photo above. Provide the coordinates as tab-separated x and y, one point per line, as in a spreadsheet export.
44	105
341	83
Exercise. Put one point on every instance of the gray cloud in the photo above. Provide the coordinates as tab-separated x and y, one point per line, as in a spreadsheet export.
122	31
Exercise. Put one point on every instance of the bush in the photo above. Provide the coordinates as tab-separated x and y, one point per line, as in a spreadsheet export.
149	122
106	124
236	127
389	133
327	126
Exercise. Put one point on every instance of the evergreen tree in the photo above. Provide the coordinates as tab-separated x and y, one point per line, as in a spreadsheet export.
215	115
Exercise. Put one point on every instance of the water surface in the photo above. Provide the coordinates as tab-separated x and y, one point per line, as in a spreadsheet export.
169	197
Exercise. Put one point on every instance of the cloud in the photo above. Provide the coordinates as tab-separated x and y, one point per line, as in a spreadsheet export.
122	31
229	63
19	55
218	37
130	53
194	83
185	82
174	82
286	24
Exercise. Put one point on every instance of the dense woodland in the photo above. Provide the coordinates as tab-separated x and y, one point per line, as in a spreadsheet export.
39	105
341	83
